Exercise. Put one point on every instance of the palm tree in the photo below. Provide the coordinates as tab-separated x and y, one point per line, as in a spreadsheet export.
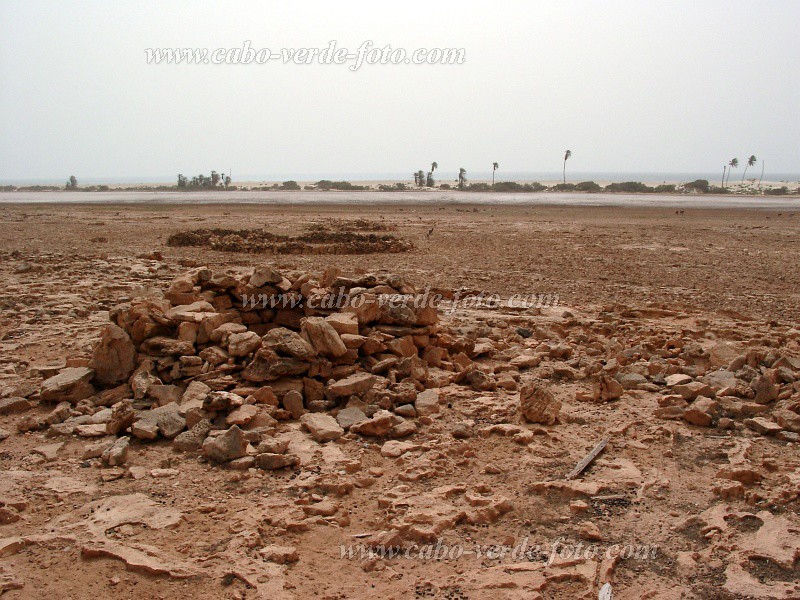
724	170
750	162
416	178
434	166
567	154
421	177
495	166
734	164
462	178
430	181
760	179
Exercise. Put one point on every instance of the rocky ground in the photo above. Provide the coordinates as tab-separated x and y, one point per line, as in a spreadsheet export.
157	440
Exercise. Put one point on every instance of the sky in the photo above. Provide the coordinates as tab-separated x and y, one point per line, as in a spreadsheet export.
627	86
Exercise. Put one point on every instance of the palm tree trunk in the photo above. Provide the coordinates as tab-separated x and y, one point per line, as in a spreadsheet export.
724	169
762	174
745	172
492	177
564	172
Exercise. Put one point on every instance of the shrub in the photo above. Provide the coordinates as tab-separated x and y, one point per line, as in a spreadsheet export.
718	190
630	187
513	186
563	187
781	191
588	186
665	188
444	186
290	185
326	184
698	185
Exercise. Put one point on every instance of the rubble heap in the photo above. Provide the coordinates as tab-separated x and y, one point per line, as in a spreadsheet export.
219	359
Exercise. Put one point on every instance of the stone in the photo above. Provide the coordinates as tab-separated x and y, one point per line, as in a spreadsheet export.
427	403
788	420
145	429
281	555
537	404
169	420
293	402
114	356
690	391
227	446
222	401
286	341
378	426
766	391
195	392
762	426
347	417
720	380
354	385
324	508
323	337
322	427
70	385
164	394
49	451
723	354
677	379
607	389
265	275
242	415
242	344
589	531
343	323
701	412
122	417
13	404
272	461
631	381
193	438
117	453
395	449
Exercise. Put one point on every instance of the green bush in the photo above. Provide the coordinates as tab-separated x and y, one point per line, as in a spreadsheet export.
513	186
630	187
290	185
781	191
718	190
665	188
563	187
326	184
698	185
588	186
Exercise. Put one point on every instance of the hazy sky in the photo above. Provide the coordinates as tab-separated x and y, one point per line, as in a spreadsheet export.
626	85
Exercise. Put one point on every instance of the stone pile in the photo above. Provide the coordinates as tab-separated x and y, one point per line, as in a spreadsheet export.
221	358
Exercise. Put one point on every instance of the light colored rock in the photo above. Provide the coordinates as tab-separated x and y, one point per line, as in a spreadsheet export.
70	385
117	454
378	426
322	427
293	402
347	417
427	403
227	446
13	404
763	426
114	356
323	337
354	385
242	415
537	404
395	449
242	344
678	379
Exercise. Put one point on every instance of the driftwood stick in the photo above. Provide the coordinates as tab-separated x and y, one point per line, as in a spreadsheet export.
588	459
